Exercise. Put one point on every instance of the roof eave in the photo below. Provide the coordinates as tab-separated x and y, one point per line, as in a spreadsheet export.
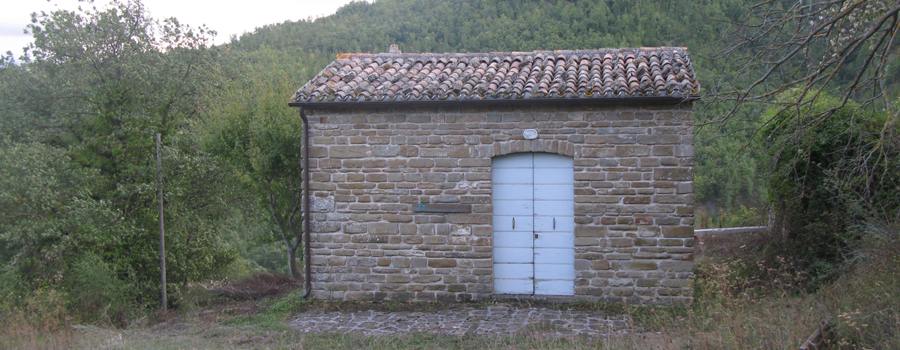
531	101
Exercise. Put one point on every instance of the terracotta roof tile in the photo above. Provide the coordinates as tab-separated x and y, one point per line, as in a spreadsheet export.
603	73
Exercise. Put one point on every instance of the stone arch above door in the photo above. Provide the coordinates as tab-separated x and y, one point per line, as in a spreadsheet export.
543	146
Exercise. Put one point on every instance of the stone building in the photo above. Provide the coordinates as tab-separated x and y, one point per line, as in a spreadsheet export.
563	174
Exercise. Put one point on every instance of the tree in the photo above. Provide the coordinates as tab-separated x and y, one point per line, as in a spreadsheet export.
826	73
799	50
820	190
94	88
252	128
48	213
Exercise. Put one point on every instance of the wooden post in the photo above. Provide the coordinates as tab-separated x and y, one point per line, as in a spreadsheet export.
162	241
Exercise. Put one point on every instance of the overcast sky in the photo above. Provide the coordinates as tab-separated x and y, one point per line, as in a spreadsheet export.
238	18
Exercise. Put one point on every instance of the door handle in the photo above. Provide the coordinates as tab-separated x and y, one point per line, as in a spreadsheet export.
554	223
535	236
514	223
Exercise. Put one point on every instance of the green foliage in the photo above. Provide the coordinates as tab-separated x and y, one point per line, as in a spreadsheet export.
289	303
95	290
49	213
726	166
829	174
271	256
496	25
251	128
865	300
739	216
78	119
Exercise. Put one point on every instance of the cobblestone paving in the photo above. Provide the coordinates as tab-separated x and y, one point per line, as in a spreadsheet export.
494	320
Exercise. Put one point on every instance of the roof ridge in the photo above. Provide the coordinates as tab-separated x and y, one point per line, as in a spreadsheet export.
347	55
539	74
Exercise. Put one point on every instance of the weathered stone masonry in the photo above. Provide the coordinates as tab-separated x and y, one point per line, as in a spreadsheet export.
372	166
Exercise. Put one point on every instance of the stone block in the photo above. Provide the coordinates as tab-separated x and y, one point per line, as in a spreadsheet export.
632	151
582	264
420	163
397	279
671	242
678	231
621	242
456	288
637	200
426	278
600	265
589	176
647	282
623	291
590	231
673	174
441	263
684	151
418	262
383	228
386	151
408	151
677	283
376	177
638	265
676	266
475	162
470	218
356	151
463	151
432	152
663	151
586	242
643	221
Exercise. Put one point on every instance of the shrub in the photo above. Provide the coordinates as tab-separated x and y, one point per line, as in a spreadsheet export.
750	265
865	301
96	293
832	168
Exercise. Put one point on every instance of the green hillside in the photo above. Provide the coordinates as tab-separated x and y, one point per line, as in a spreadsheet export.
300	49
501	25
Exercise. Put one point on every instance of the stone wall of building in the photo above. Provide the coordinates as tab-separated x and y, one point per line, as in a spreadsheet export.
372	167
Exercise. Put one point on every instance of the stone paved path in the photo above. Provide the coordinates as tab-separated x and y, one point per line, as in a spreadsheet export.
493	320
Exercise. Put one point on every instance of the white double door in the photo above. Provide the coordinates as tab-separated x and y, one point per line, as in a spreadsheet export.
534	241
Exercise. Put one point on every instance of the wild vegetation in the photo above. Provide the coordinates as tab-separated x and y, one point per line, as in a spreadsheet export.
798	124
743	302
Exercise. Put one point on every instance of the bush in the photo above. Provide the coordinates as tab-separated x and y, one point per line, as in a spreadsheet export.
96	293
748	266
832	169
740	216
865	301
39	319
271	256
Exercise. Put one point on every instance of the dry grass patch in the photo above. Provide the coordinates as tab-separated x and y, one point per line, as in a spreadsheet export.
746	299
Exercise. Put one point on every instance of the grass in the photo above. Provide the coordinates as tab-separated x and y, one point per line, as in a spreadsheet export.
746	299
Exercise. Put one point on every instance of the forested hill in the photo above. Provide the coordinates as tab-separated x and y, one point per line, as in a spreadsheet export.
500	25
299	50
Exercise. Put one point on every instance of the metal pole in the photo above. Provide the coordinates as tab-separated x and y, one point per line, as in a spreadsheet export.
162	241
307	252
